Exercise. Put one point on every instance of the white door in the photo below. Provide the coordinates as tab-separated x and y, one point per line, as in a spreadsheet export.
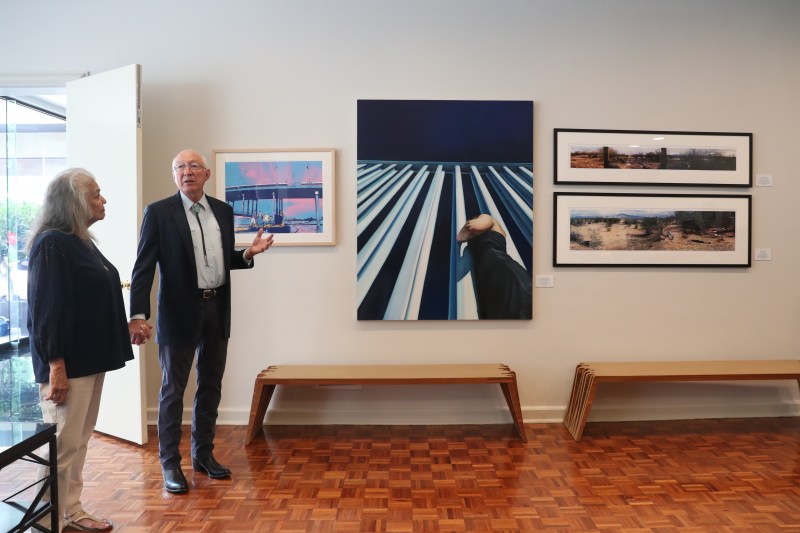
104	135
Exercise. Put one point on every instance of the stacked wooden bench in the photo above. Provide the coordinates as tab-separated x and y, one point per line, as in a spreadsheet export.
589	375
272	376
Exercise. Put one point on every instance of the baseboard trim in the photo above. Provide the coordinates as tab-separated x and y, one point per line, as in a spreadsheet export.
499	415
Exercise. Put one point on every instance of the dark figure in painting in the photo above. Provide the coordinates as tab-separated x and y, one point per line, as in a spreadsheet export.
503	287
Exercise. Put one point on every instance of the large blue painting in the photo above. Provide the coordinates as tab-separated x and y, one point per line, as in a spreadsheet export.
444	209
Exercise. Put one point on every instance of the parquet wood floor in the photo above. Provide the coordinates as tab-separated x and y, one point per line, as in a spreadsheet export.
683	476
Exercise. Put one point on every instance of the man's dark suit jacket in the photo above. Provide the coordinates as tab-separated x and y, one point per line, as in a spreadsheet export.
165	240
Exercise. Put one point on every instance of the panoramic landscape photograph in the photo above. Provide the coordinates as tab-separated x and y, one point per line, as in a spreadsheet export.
653	157
652	230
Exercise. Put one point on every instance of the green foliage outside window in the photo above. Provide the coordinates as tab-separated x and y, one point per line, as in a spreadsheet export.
15	221
19	394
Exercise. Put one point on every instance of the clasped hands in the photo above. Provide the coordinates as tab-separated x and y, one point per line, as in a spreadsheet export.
139	331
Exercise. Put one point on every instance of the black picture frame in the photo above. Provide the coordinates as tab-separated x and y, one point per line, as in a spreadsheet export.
652	157
651	230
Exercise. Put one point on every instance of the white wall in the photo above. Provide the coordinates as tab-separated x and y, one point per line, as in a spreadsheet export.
285	74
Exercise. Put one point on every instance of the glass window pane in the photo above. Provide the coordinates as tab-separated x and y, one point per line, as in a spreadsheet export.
33	150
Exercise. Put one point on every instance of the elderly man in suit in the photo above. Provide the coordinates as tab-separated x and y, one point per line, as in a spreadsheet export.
190	236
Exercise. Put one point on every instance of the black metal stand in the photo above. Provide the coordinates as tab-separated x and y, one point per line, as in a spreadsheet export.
19	441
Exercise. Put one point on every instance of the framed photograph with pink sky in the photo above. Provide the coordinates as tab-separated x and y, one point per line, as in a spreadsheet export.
287	192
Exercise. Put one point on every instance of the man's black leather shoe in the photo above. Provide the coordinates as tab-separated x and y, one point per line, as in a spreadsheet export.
174	481
210	466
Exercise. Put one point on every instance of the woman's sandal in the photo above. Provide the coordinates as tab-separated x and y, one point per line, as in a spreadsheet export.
73	525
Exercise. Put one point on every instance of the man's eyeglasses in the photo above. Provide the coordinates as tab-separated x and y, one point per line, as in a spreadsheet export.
191	166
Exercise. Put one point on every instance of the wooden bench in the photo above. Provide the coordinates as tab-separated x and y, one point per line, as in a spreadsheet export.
589	375
381	375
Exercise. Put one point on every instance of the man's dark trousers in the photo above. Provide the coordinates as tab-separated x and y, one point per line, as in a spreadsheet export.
176	364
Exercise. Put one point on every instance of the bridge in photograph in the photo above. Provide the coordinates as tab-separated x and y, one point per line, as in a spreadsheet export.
246	199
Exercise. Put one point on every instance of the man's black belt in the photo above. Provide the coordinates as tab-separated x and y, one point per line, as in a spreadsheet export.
207	294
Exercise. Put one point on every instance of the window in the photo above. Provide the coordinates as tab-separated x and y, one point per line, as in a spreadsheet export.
33	150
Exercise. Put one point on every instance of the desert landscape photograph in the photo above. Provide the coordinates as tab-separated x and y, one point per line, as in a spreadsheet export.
652	230
653	157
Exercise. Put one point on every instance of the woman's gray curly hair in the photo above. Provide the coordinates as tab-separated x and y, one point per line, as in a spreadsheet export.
66	205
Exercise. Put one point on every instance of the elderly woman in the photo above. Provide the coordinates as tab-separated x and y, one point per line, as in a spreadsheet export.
78	328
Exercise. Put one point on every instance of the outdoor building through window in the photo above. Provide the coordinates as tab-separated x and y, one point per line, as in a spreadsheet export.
32	150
